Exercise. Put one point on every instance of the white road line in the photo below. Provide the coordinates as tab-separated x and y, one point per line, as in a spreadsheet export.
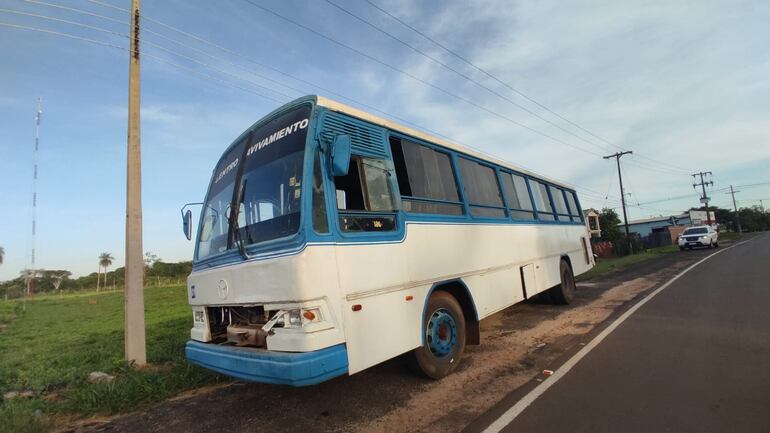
515	410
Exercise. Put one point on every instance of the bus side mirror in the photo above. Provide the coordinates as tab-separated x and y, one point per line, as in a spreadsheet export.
341	155
187	224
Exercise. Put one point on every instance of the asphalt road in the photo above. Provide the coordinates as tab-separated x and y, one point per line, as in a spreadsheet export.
695	358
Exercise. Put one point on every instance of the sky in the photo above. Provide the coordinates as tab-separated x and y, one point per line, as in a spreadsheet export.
685	85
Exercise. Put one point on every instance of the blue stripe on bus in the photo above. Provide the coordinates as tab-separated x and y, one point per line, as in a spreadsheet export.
260	365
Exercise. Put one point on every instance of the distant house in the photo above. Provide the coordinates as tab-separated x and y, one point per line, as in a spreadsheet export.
592	222
644	227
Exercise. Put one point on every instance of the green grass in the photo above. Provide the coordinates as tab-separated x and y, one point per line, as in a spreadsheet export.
604	266
50	346
732	236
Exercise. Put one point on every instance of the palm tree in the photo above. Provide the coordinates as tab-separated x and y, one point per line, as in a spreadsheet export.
105	260
2	255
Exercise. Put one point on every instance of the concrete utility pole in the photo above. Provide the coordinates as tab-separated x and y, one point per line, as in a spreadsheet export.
135	345
737	215
704	199
623	197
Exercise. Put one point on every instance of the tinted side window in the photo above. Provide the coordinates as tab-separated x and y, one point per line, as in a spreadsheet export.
482	189
517	196
426	179
542	202
573	208
559	203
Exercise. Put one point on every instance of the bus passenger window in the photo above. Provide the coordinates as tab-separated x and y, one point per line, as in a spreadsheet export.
542	201
365	197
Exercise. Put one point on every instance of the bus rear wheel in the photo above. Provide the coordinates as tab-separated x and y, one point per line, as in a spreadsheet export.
564	293
444	337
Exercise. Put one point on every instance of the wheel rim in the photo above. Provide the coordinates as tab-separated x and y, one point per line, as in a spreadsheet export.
441	333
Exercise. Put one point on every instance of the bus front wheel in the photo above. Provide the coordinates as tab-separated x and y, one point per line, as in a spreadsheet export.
564	292
443	337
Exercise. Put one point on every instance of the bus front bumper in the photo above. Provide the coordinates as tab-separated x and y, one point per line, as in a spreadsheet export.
260	365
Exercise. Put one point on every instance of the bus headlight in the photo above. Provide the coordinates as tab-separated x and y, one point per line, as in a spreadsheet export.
300	317
294	318
199	315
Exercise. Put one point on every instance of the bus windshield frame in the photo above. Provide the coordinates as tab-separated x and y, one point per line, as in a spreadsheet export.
262	173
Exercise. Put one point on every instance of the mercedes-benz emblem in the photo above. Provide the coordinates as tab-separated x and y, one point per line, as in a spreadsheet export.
222	289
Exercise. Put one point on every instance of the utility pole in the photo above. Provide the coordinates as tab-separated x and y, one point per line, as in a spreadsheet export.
704	199
135	345
31	272
737	215
623	196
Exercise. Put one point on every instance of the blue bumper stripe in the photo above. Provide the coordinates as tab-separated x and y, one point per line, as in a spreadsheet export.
259	365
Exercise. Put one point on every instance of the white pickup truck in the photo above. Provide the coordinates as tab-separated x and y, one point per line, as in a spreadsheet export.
699	236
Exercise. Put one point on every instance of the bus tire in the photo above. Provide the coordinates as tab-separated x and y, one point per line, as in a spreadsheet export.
564	293
444	333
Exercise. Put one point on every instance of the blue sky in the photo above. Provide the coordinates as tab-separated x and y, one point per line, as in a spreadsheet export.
685	83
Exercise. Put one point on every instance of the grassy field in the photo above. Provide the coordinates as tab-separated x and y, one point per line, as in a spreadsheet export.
51	345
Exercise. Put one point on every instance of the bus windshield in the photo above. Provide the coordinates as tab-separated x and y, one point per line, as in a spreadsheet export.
266	167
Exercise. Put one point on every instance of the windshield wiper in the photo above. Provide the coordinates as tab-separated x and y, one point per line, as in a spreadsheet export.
238	237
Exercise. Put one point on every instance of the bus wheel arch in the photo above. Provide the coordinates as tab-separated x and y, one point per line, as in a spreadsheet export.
460	292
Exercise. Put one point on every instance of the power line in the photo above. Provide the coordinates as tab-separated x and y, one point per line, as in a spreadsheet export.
99	29
80	11
248	70
468	78
455	71
156	58
668	199
201	63
605	196
227	83
418	79
513	89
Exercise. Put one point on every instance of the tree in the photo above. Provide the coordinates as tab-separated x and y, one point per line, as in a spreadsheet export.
56	278
609	222
150	259
105	260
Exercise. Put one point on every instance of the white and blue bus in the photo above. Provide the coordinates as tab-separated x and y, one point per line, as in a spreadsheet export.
331	240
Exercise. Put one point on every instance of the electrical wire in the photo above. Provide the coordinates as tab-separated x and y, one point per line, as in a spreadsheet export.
201	63
420	80
199	39
510	87
144	54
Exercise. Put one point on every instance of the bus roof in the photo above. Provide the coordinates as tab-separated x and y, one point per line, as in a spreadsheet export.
366	116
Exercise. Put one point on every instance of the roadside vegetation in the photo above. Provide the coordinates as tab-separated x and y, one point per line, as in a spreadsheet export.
606	265
50	345
59	281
